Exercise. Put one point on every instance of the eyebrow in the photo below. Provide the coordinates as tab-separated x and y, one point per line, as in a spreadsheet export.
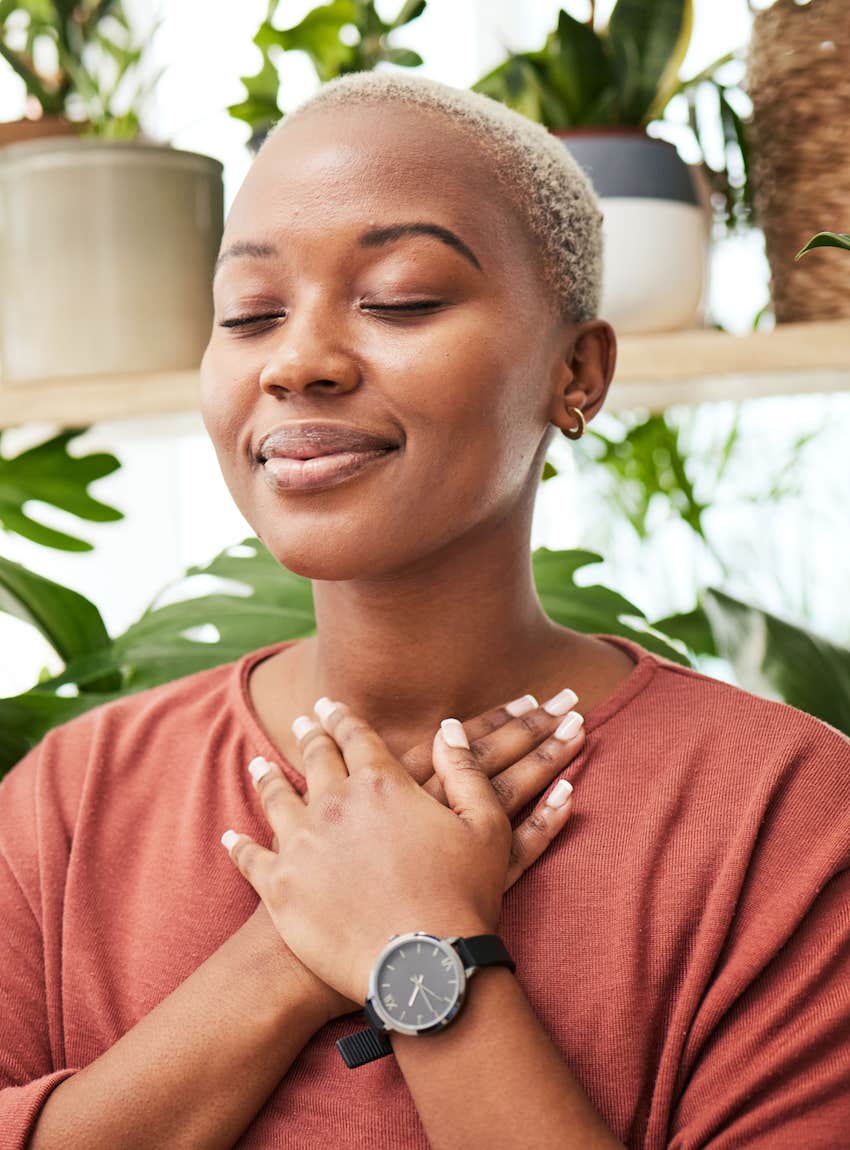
372	238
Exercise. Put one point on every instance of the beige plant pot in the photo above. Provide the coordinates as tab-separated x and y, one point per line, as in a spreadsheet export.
107	250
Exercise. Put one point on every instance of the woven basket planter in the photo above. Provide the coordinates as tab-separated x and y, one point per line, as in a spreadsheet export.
799	83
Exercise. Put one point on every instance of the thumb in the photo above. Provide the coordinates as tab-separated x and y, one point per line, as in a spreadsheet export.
468	789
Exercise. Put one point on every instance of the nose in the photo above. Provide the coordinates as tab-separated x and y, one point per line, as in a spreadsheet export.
309	352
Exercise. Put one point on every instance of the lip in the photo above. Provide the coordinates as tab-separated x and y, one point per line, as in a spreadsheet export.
321	472
309	440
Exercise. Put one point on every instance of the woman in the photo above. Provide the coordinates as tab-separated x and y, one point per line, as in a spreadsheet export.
405	316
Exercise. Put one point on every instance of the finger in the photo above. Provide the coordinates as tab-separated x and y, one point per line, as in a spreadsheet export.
510	742
321	758
419	759
535	834
281	803
252	860
519	783
361	746
467	788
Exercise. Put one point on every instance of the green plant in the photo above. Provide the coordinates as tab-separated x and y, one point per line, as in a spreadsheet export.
261	603
96	57
623	75
340	37
49	474
626	75
825	240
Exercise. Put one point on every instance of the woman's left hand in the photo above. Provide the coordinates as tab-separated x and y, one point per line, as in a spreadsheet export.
373	854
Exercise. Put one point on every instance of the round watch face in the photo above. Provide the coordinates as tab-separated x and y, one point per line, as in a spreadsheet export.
418	983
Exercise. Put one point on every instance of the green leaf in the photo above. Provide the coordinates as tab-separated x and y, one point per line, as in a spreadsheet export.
648	39
575	64
48	473
318	36
403	57
773	657
591	609
826	240
260	107
410	10
68	621
516	83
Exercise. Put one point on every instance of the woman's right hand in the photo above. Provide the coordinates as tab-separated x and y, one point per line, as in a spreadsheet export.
521	756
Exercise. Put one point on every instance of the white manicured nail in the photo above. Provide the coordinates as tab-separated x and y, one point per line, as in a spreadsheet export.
453	733
559	794
521	706
228	839
259	767
561	703
324	707
570	726
302	725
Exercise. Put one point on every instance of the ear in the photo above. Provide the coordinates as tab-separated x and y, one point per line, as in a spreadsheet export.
585	373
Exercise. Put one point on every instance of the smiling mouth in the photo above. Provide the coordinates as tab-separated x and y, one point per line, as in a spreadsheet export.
284	473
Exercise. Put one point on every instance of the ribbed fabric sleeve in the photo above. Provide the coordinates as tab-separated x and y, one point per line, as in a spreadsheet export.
685	942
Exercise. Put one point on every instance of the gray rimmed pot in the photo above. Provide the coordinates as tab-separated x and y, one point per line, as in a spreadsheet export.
657	229
107	250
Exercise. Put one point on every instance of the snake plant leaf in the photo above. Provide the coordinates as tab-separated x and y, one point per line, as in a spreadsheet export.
48	473
516	82
648	39
577	67
593	609
68	621
826	240
769	656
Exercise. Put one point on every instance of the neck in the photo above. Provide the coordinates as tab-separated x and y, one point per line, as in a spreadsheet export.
450	638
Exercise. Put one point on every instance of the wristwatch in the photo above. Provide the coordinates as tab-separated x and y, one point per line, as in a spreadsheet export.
417	986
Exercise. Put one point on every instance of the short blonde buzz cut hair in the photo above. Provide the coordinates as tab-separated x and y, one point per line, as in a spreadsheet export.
543	183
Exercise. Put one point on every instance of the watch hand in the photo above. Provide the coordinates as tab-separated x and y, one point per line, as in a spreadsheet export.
434	994
417	988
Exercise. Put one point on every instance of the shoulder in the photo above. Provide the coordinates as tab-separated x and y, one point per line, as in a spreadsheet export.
676	694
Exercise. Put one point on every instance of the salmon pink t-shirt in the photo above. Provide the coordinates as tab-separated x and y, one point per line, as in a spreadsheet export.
685	941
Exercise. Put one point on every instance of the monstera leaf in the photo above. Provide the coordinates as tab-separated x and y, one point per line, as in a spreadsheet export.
49	474
769	656
256	603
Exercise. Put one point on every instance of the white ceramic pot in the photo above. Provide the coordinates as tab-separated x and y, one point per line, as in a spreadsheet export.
107	250
656	231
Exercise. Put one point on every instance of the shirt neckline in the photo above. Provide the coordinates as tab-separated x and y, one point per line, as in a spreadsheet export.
646	664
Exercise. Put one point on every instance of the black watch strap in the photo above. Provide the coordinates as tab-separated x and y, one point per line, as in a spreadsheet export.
484	950
367	1045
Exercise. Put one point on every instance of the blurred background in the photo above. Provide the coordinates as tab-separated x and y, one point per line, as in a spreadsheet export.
722	510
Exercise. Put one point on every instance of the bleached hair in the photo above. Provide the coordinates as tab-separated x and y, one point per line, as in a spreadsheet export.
543	183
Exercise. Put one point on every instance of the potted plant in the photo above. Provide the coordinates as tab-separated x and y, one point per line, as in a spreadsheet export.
598	89
110	234
340	37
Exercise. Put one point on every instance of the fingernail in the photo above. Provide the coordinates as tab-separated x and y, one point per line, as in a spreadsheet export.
570	726
259	767
521	706
324	707
453	733
302	725
559	794
228	839
559	704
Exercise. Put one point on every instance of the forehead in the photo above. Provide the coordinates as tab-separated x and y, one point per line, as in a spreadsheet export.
360	166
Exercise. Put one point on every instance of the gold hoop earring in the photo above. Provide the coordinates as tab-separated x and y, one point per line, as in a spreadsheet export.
575	432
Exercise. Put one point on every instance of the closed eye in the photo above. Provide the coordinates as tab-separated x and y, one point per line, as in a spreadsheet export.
242	321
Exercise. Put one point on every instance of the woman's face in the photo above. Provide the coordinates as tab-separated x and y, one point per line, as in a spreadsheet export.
403	337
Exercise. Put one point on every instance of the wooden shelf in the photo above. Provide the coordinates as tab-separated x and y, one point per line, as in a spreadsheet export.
653	371
656	371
